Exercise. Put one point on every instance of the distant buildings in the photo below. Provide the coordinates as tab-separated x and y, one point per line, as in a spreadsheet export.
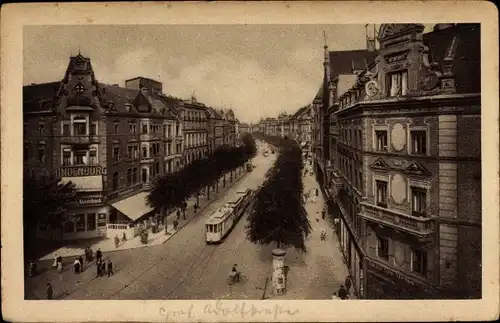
397	149
112	142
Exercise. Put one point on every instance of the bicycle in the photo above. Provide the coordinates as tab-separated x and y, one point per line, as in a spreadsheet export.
231	280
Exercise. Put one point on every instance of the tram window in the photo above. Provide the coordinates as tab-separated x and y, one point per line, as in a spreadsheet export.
206	227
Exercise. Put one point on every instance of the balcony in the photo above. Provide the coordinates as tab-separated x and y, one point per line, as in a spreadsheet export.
415	225
77	140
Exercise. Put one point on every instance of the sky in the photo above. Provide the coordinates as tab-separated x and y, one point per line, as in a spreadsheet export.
256	70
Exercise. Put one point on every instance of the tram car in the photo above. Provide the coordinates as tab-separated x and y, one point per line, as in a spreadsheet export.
222	221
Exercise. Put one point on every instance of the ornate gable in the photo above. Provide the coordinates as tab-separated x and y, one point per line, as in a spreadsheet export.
141	103
388	31
379	164
416	169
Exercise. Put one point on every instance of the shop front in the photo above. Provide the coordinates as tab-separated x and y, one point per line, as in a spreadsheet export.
132	214
383	282
353	257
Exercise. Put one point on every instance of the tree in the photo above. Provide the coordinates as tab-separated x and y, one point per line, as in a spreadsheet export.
45	200
278	214
249	145
168	191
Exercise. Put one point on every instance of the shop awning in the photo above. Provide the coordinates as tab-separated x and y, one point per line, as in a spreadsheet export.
134	207
85	183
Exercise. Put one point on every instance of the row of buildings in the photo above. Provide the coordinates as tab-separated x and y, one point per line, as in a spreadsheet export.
296	126
112	142
396	142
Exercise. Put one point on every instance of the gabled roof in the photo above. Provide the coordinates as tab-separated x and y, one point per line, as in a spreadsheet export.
345	62
118	95
35	95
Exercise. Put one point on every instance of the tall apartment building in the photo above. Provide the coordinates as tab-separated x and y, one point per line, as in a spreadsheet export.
110	141
216	125
406	164
195	130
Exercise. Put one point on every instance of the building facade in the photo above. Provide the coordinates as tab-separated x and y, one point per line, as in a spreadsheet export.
195	130
405	160
108	140
216	125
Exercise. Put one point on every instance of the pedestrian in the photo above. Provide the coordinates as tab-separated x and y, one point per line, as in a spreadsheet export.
103	268
50	291
54	264
323	214
76	265
80	261
176	224
348	283
98	255
184	208
178	214
195	208
110	268
317	192
59	266
98	265
342	292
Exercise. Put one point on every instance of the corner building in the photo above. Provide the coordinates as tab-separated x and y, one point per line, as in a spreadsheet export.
110	141
406	158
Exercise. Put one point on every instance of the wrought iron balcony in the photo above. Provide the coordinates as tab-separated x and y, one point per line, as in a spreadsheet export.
421	226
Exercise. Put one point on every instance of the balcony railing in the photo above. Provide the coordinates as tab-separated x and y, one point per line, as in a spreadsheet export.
417	225
77	139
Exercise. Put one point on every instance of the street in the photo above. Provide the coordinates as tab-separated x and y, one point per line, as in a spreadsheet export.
185	267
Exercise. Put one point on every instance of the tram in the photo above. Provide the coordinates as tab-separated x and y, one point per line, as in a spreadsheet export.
220	223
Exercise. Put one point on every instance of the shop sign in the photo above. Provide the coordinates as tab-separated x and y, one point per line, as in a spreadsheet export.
89	200
372	266
80	171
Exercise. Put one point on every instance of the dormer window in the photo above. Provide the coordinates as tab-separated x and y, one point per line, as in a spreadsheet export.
79	88
398	83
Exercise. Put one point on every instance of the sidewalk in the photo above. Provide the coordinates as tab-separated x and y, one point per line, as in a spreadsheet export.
108	245
318	273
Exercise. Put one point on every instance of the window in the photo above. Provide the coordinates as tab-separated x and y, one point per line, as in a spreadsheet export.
116	126
419	142
418	202
134	176
79	126
144	175
41	128
116	153
80	157
80	222
65	129
41	154
129	177
144	128
165	130
93	129
157	168
419	261
136	152
132	128
93	156
66	158
144	151
383	248
398	83
381	140
91	221
130	151
115	181
381	193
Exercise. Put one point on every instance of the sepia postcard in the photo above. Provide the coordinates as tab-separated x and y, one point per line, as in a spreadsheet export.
300	161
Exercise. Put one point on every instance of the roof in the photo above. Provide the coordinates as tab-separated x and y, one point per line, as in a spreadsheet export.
118	95
35	95
346	82
467	57
219	214
345	62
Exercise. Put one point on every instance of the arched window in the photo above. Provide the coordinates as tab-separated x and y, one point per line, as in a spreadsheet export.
134	176
129	177
115	181
144	175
